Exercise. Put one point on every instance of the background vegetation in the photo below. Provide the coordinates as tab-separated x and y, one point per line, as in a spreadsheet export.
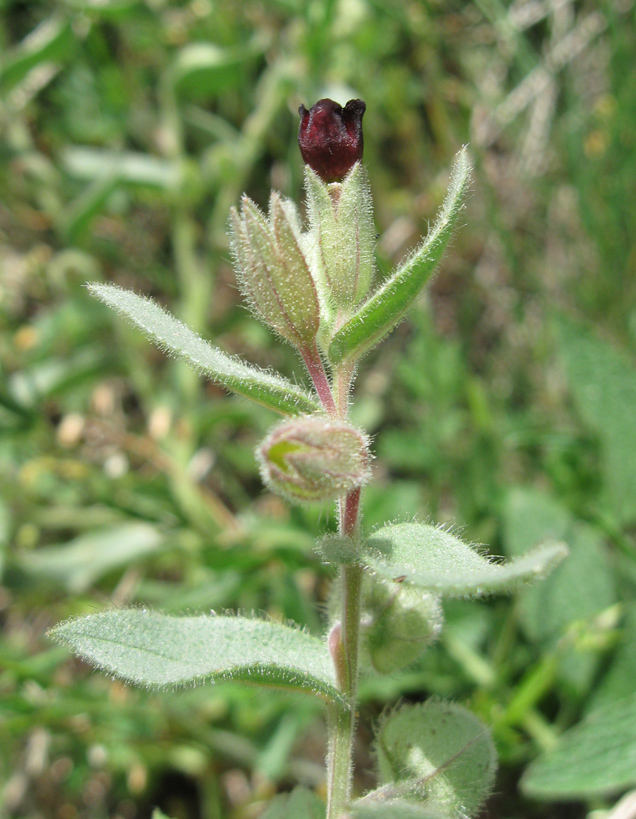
505	404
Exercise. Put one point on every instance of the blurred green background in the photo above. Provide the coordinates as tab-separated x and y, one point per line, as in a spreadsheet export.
504	405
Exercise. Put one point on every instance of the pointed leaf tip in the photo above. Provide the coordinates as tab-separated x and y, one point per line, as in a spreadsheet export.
433	559
392	300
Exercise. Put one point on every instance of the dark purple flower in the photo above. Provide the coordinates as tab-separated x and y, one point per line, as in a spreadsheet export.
330	137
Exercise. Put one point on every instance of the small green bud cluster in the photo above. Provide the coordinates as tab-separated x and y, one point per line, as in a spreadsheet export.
304	284
314	458
399	623
273	271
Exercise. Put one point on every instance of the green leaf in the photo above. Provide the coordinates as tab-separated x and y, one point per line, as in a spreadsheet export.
438	753
76	220
580	588
123	166
51	41
595	758
603	383
272	391
156	650
391	301
618	682
78	564
202	70
301	803
433	559
385	808
159	814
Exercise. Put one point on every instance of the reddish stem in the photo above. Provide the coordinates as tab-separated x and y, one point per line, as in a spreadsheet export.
316	370
349	513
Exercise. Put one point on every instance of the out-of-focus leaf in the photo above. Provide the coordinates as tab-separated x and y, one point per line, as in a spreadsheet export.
159	814
578	589
435	560
54	376
392	300
80	563
437	753
52	40
112	10
204	70
618	682
5	523
123	166
301	803
595	758
157	650
273	391
603	383
78	216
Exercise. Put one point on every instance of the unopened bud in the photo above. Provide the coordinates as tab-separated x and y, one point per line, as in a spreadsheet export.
314	459
273	271
400	622
343	231
330	137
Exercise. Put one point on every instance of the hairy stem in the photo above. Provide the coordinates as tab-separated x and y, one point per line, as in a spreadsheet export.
316	370
342	721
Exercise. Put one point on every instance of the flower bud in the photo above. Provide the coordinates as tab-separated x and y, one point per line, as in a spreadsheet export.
400	622
330	137
273	271
343	230
312	458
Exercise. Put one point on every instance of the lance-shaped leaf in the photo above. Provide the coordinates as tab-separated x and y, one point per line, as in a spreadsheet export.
270	390
435	560
438	753
391	301
159	651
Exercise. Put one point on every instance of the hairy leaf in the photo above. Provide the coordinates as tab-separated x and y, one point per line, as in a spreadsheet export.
436	560
438	753
151	649
392	809
391	301
595	758
272	391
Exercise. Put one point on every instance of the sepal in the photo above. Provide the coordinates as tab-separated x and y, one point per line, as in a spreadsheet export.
273	271
343	231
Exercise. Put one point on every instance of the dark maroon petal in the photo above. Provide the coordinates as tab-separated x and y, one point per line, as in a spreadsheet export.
330	137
